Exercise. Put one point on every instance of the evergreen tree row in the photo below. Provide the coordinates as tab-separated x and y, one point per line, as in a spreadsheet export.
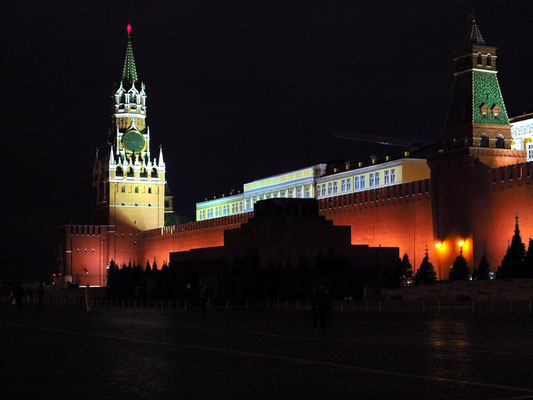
517	263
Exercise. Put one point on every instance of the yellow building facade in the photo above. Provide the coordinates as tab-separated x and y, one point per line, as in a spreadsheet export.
316	182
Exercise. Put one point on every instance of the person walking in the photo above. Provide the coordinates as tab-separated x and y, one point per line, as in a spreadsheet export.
88	300
210	299
315	306
18	295
40	296
203	300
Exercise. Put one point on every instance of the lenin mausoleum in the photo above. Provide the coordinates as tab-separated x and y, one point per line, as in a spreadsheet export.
460	195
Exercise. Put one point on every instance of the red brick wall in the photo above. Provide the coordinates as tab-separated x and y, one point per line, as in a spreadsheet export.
396	216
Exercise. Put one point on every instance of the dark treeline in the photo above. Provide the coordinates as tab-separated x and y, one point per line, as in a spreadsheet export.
133	281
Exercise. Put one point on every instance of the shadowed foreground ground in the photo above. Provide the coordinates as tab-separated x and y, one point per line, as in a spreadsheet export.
65	353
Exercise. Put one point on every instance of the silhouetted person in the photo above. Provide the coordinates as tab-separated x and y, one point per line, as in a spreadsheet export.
40	296
328	305
18	295
88	305
324	306
210	299
315	306
203	300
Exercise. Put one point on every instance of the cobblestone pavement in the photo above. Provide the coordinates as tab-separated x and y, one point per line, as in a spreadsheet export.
64	352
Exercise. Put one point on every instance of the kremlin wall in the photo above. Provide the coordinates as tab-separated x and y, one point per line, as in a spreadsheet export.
461	196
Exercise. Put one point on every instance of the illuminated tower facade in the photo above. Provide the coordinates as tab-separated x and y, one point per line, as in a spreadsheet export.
129	182
477	116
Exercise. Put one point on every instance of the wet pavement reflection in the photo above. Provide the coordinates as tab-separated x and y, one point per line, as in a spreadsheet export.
64	352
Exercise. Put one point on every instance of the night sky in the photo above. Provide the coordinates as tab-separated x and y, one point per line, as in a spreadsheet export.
237	90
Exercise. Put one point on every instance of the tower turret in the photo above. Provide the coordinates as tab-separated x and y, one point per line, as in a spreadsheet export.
129	189
477	116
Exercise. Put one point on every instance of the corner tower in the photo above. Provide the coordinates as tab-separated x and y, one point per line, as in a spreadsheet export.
128	184
477	116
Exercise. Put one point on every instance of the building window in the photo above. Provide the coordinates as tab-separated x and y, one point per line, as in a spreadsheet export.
362	182
307	195
334	187
149	190
496	111
392	175
484	109
136	189
500	142
489	61
376	177
330	188
349	184
210	213
290	193
356	183
299	193
247	204
371	180
217	212
318	190
324	190
343	186
530	151
386	177
123	189
479	59
240	206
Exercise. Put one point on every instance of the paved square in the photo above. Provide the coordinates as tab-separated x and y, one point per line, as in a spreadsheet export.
64	352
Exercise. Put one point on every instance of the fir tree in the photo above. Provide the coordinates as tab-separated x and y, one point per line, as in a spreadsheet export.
483	270
513	261
528	261
459	270
405	271
426	273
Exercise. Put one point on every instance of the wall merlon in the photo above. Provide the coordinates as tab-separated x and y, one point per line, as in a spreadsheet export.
516	173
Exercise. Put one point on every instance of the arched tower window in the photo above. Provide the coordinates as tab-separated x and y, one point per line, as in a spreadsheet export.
489	61
500	142
131	172
119	173
136	189
479	59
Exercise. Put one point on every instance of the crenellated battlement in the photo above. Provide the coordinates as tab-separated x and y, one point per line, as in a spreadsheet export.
401	192
516	173
88	230
223	223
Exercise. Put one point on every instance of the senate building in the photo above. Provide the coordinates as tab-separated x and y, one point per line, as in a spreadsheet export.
460	195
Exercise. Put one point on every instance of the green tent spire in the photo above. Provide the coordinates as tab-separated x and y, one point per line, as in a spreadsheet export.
474	35
129	73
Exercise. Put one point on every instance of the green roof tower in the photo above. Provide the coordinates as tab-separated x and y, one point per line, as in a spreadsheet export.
477	116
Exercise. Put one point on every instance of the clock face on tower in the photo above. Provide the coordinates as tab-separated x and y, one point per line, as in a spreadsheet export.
133	141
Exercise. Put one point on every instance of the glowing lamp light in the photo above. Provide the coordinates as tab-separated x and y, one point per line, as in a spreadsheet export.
129	29
53	274
461	243
438	245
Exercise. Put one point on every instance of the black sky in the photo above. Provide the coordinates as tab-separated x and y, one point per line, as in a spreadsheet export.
238	90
